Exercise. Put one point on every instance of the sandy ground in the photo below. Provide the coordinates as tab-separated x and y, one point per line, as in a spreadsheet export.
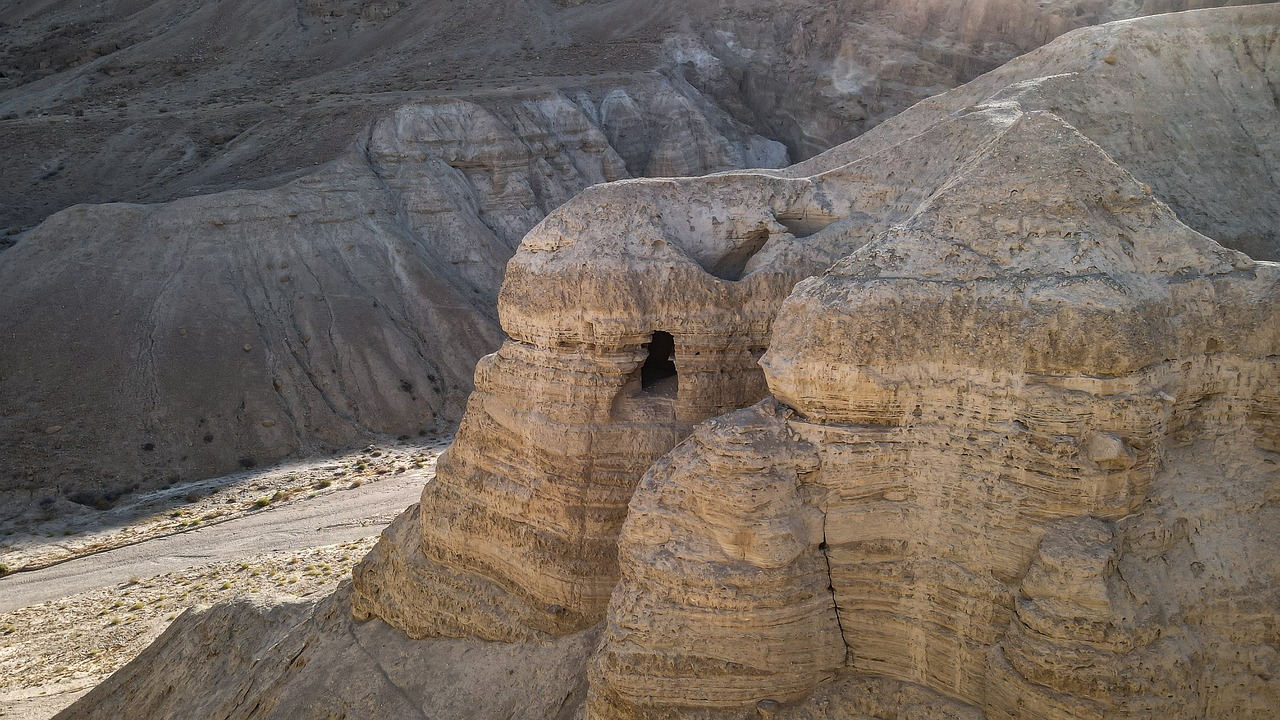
60	530
110	590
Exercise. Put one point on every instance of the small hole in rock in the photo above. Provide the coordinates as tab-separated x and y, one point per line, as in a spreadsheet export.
658	374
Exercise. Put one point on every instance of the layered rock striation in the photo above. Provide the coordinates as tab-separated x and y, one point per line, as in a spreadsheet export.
637	312
1000	403
1010	450
224	331
515	538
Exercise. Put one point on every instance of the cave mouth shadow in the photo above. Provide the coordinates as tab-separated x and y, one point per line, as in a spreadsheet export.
658	373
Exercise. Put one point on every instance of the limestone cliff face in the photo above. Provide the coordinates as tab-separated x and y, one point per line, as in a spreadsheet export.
525	512
190	338
637	311
1010	450
516	537
997	407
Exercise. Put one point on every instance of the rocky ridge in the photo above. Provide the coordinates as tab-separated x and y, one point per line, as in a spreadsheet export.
1019	441
232	329
340	290
149	100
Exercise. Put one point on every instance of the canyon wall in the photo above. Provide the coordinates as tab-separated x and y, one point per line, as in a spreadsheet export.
145	344
987	428
1010	450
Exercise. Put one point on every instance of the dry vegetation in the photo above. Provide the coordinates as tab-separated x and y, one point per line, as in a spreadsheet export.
62	530
76	641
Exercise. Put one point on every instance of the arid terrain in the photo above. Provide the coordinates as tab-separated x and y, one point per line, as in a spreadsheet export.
334	189
861	359
85	594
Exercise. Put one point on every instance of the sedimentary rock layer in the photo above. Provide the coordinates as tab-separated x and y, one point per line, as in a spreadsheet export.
306	659
999	399
629	323
148	344
530	499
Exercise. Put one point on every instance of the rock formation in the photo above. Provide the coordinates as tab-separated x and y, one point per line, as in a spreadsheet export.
516	535
976	418
637	312
502	124
1012	455
201	335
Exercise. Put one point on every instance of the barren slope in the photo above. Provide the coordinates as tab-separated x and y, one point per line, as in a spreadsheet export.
1021	441
148	344
145	100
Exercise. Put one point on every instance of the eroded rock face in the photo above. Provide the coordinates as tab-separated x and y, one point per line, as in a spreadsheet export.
518	532
563	422
998	399
188	339
639	311
1015	456
307	659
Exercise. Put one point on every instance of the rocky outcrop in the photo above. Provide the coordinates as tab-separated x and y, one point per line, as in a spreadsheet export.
229	330
637	312
501	127
296	659
634	312
1013	454
994	406
516	537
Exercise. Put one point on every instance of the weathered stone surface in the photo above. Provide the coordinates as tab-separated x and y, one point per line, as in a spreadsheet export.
533	493
998	392
241	327
1017	457
721	555
299	659
571	410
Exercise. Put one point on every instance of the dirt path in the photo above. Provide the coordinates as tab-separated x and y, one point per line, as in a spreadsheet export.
65	627
334	518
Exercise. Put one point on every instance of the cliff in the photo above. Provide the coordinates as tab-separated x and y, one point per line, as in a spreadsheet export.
1009	449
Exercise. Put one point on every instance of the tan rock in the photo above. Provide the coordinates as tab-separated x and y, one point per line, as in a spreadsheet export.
307	659
1016	457
351	302
997	392
625	332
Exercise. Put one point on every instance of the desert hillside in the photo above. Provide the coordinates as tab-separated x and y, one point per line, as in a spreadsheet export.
247	231
972	416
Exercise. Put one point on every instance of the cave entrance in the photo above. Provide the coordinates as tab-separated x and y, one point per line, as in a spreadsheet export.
658	374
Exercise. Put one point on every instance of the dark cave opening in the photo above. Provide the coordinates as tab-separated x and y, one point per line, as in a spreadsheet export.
659	369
